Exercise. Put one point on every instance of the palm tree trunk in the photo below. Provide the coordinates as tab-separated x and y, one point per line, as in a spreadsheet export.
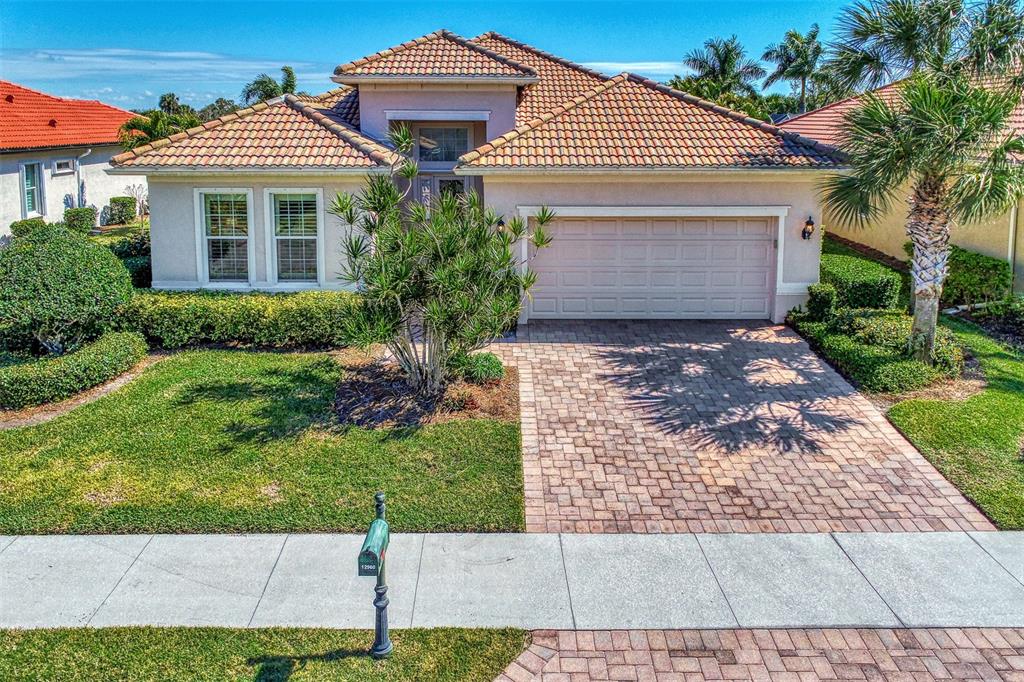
803	95
928	227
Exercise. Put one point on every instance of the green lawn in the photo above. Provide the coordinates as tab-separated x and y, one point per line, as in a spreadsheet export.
273	655
217	441
113	234
976	443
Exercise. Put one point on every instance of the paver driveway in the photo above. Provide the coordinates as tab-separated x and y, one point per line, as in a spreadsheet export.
710	426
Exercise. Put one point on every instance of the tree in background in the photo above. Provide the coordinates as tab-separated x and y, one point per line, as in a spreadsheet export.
154	125
943	144
721	67
220	107
169	104
796	60
264	87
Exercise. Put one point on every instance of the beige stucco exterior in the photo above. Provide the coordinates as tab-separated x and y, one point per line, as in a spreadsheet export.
377	101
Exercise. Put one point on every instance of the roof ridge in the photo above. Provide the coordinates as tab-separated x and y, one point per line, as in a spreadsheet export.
546	55
375	150
733	114
832	105
435	35
519	131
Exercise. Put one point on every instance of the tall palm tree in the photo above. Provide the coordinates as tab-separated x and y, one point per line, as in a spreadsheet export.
264	87
154	125
722	66
945	135
796	59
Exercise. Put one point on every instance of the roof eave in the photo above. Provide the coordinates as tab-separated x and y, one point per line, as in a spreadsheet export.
166	170
71	145
641	170
356	79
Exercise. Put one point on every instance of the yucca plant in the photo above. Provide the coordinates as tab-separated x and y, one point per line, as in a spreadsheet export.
943	143
437	281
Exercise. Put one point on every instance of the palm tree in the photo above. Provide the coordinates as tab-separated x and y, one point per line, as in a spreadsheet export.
264	87
154	125
796	59
944	135
723	68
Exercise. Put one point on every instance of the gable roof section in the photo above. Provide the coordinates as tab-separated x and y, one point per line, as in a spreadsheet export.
288	132
629	122
30	119
439	55
560	79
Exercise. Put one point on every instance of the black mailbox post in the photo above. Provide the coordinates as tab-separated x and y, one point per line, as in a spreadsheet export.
371	563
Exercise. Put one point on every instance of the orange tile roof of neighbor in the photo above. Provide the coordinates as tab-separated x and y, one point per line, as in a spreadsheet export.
633	122
441	54
283	133
30	119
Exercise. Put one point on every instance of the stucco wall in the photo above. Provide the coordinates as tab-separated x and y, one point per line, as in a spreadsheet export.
173	224
798	192
375	100
99	185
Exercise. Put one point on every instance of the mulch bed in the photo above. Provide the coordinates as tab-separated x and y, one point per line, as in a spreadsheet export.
1004	332
374	394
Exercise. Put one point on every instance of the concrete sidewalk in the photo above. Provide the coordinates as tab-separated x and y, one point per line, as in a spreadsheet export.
551	581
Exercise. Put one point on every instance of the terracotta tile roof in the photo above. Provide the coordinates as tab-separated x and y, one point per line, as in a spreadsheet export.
30	119
633	122
287	132
441	54
825	124
344	102
560	79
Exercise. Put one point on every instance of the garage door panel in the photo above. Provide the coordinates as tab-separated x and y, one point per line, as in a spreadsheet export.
655	267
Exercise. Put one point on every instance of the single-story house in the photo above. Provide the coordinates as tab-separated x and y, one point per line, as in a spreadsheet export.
1001	236
668	206
54	153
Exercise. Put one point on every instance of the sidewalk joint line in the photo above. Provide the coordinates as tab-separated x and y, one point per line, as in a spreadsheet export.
993	557
270	575
871	584
416	587
118	583
565	572
13	540
717	581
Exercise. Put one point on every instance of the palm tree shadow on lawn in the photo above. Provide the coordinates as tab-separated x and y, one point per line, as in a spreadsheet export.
281	668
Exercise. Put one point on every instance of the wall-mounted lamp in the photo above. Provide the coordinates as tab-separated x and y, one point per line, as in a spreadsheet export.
808	231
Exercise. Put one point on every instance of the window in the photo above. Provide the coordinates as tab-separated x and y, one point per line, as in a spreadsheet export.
295	219
443	144
63	166
31	188
226	232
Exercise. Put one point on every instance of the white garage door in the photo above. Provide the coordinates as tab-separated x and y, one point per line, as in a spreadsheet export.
656	267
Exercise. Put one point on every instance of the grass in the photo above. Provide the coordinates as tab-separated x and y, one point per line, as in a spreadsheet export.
976	443
221	440
110	235
271	655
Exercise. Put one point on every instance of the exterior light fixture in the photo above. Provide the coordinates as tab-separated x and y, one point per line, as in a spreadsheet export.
808	231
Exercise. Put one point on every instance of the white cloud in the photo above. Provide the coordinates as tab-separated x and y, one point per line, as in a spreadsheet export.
650	68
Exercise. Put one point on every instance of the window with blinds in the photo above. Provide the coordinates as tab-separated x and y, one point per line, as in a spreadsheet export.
295	235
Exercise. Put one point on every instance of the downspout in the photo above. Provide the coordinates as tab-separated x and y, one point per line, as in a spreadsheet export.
1014	219
79	200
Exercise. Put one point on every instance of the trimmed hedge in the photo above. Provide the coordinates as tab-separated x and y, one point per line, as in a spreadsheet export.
80	219
20	228
871	348
972	277
50	379
861	283
132	246
122	210
141	270
176	319
822	302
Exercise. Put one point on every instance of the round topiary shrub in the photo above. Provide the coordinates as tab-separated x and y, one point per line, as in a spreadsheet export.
59	288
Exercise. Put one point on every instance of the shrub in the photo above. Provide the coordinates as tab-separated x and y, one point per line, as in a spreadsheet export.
20	228
305	319
80	219
122	210
59	288
891	329
822	301
132	246
140	268
861	283
50	379
479	368
973	277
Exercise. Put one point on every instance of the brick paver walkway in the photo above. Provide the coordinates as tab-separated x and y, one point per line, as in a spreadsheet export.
675	426
776	655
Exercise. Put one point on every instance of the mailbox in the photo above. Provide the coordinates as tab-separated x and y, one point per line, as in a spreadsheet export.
371	556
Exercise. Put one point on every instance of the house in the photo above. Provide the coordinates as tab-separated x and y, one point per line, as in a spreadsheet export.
667	206
54	153
1001	236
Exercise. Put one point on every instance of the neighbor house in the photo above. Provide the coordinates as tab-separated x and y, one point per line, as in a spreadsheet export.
667	206
54	153
1000	236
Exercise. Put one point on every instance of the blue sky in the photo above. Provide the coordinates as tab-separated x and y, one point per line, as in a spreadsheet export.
128	53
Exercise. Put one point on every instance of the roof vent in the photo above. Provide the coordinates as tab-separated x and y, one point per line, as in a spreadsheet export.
53	123
9	98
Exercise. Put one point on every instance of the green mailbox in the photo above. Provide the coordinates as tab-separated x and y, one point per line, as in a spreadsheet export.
371	563
371	556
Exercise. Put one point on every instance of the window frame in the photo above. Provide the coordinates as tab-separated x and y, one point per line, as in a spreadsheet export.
40	188
202	241
56	171
441	165
271	238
